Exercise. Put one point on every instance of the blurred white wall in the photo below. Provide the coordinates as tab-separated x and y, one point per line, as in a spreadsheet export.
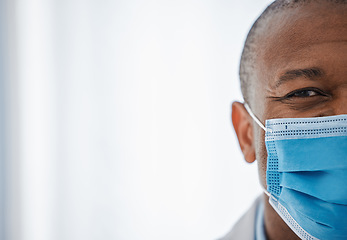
2	124
121	115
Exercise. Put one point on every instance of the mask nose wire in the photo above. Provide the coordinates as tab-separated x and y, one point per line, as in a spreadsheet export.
256	119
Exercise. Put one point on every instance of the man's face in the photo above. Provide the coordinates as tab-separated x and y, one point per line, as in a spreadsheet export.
301	66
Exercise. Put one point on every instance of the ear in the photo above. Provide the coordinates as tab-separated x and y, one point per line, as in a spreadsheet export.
243	127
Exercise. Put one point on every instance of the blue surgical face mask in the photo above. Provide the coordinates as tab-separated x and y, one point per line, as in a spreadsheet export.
307	174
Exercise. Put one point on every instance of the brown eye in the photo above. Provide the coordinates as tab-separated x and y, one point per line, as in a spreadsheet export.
304	98
304	93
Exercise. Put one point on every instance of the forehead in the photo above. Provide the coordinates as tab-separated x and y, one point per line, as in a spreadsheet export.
299	36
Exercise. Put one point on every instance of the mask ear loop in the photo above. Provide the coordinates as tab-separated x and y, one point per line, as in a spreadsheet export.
265	191
256	119
266	130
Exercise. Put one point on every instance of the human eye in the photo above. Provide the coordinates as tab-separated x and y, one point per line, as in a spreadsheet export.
304	93
304	98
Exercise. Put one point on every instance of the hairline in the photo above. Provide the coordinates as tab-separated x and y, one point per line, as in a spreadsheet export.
247	74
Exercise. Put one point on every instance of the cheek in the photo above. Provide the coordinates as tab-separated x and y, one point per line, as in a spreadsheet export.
261	156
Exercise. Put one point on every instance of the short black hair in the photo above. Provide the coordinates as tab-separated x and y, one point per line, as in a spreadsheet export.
247	62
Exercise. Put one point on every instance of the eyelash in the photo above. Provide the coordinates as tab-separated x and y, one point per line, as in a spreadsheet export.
292	94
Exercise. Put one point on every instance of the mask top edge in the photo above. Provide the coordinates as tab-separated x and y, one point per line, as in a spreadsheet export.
313	120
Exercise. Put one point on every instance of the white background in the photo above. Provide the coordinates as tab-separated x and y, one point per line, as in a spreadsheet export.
119	119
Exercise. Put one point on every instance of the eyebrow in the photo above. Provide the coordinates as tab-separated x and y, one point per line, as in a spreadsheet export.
309	73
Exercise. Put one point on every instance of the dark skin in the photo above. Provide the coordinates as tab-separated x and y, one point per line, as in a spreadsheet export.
301	71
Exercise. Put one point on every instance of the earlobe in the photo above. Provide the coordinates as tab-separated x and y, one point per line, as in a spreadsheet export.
243	127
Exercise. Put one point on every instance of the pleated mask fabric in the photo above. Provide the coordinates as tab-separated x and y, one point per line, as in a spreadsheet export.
307	174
